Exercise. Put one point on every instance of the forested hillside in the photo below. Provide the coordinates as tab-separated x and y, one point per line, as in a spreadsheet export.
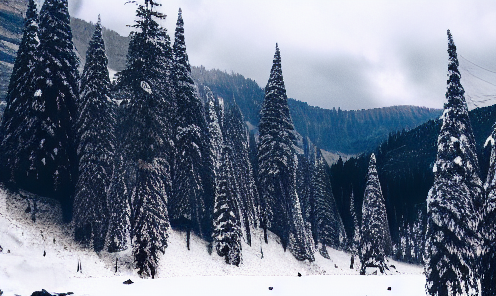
165	153
350	132
405	162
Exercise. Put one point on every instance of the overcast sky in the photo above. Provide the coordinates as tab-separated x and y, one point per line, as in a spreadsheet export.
353	54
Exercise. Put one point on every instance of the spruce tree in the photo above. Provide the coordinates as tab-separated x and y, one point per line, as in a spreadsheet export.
119	207
215	137
452	242
328	223
375	230
355	240
96	139
147	137
227	232
49	159
281	211
487	230
189	207
236	137
19	98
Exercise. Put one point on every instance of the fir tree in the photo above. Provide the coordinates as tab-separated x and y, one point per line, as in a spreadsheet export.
227	232
236	137
51	168
328	223
355	240
96	137
189	208
147	137
487	230
215	137
48	160
453	201
304	186
19	98
118	206
277	169
375	230
354	244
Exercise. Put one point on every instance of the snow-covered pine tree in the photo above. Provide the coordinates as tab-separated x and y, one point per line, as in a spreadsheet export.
96	139
486	228
189	206
452	242
227	232
49	159
418	239
329	226
215	137
236	137
355	240
119	207
147	138
304	173
19	98
375	230
281	211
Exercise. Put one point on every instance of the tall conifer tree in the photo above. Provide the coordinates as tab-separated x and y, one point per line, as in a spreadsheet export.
375	236
50	147
277	169
236	137
96	139
189	208
227	231
147	140
19	100
355	240
329	226
452	242
487	229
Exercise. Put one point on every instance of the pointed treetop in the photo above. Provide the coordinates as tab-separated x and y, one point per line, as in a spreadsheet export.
276	79
98	26
453	58
32	12
180	21
450	38
277	54
372	159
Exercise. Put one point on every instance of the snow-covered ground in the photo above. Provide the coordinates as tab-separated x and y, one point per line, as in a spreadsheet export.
42	255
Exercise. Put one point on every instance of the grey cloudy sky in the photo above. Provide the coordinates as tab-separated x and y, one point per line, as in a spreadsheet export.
351	54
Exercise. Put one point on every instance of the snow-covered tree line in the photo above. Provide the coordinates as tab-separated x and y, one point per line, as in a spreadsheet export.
131	159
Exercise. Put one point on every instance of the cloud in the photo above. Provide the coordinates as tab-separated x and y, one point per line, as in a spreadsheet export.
351	54
75	6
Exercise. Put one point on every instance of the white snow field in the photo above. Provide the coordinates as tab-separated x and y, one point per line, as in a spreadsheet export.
42	255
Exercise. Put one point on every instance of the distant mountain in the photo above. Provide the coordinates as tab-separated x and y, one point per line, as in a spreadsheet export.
354	132
348	132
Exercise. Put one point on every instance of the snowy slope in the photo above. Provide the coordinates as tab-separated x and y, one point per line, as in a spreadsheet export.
24	269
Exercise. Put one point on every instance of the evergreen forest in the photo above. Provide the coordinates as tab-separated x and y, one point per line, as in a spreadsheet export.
169	146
